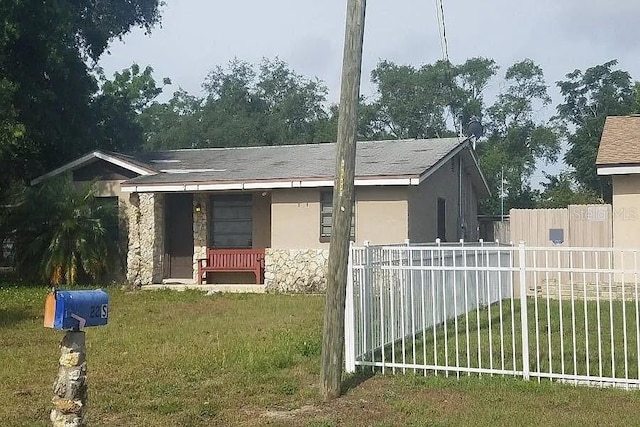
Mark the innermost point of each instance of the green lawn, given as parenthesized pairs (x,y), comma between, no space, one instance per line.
(186,359)
(609,343)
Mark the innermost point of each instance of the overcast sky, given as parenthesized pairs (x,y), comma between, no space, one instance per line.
(559,35)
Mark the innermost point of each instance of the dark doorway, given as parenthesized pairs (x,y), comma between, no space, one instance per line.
(179,236)
(441,219)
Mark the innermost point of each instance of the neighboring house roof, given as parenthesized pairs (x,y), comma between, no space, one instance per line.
(619,151)
(391,162)
(115,158)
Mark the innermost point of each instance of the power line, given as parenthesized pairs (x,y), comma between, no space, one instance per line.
(439,28)
(442,30)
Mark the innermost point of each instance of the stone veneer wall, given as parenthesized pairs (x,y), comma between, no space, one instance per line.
(296,270)
(199,231)
(604,291)
(145,254)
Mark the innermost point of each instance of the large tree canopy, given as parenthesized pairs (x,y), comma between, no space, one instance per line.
(589,97)
(516,140)
(245,105)
(46,87)
(425,102)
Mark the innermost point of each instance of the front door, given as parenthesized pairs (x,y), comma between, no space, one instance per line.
(179,236)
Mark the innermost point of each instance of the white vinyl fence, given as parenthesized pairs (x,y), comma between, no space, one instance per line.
(566,314)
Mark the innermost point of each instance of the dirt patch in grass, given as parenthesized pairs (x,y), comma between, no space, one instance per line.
(373,403)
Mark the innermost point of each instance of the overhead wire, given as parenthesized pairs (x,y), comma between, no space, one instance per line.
(442,30)
(444,46)
(439,28)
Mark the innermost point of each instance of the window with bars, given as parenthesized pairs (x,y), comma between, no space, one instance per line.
(326,213)
(231,221)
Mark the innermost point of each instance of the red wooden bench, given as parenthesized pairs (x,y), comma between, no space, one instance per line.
(232,261)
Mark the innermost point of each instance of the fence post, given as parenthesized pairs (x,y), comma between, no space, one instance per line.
(349,319)
(524,320)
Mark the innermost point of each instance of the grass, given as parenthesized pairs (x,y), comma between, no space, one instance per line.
(554,346)
(186,359)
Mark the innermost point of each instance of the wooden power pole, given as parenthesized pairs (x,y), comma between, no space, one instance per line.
(333,332)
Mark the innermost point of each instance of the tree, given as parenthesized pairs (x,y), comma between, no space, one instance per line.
(561,191)
(233,113)
(12,140)
(410,102)
(295,105)
(269,106)
(119,105)
(173,124)
(244,105)
(589,98)
(515,140)
(425,102)
(62,235)
(471,79)
(44,51)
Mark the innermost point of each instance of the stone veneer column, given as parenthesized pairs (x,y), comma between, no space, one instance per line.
(158,243)
(296,270)
(146,238)
(199,231)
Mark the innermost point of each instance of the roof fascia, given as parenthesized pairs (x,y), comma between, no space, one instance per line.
(618,170)
(263,185)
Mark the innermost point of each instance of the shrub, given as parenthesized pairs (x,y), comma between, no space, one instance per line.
(62,234)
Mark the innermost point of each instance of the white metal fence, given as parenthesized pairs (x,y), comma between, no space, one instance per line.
(567,314)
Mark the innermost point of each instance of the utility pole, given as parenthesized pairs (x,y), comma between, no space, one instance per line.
(333,326)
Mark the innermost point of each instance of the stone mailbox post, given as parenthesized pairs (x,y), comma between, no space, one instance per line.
(72,311)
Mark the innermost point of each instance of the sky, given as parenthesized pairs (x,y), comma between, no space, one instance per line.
(559,35)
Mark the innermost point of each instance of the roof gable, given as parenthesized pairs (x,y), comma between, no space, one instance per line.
(102,170)
(124,163)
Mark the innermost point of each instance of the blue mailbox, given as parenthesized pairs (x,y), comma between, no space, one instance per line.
(76,309)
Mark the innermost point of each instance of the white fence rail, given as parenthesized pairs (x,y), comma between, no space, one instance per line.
(569,314)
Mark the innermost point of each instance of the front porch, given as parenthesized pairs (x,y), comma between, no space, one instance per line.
(171,233)
(173,237)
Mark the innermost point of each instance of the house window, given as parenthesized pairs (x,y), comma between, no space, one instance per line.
(441,219)
(231,221)
(326,211)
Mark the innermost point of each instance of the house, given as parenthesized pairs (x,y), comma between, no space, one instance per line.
(179,203)
(619,157)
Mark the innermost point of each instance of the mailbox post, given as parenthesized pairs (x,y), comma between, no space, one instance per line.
(72,311)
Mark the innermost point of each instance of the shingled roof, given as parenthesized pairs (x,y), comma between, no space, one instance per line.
(390,162)
(620,142)
(375,159)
